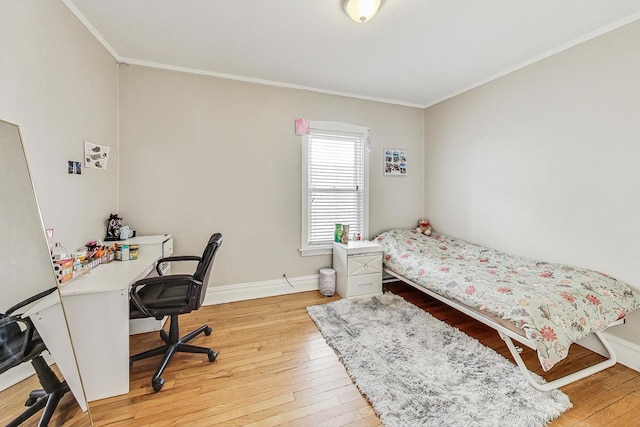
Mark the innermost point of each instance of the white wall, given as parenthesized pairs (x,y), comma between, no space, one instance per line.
(543,162)
(58,84)
(202,154)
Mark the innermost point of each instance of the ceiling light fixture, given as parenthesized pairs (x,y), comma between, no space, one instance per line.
(361,10)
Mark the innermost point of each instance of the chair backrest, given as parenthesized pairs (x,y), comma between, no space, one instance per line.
(203,270)
(19,341)
(13,341)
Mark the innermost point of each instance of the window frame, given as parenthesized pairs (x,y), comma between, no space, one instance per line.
(337,128)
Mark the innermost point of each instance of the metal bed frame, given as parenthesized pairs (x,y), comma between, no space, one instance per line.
(508,336)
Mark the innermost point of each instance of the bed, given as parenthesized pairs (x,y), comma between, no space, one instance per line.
(545,306)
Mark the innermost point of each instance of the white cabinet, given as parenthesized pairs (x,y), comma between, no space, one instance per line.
(358,266)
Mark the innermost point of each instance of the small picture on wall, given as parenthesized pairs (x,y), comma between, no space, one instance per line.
(395,162)
(74,167)
(95,156)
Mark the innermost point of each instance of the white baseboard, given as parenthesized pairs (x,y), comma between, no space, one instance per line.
(21,372)
(627,352)
(269,288)
(15,375)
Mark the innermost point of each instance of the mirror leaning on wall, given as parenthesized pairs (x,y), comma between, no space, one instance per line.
(34,336)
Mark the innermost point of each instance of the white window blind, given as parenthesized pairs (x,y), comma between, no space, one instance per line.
(335,183)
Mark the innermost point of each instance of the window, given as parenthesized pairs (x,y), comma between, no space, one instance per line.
(334,184)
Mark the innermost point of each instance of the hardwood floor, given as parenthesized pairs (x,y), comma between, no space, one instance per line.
(274,369)
(12,400)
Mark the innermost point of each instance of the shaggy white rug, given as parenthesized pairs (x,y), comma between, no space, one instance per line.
(418,371)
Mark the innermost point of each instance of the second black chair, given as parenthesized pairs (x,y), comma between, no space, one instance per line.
(173,295)
(19,343)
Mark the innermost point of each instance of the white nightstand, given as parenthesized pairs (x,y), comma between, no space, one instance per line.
(358,266)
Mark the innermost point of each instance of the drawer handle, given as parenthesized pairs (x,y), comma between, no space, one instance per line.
(363,285)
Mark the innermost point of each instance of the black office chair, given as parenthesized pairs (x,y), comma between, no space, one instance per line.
(19,343)
(173,295)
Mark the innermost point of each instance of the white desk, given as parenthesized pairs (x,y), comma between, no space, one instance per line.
(97,309)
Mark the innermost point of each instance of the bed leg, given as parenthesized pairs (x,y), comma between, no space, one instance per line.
(562,381)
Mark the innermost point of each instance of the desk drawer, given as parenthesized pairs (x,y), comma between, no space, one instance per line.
(364,264)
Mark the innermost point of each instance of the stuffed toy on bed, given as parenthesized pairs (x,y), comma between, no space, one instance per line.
(424,227)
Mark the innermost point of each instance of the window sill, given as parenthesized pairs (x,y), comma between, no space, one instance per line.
(318,250)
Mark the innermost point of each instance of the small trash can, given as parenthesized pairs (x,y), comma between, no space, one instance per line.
(327,281)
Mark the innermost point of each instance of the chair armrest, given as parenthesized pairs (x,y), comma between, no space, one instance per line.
(30,300)
(4,321)
(174,259)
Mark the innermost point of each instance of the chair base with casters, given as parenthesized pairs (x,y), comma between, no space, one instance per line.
(174,344)
(48,397)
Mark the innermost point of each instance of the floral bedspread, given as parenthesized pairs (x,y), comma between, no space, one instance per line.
(554,304)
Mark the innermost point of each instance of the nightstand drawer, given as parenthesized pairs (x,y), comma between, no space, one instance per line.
(365,284)
(364,264)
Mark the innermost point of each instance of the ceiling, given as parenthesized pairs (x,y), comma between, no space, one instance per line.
(413,52)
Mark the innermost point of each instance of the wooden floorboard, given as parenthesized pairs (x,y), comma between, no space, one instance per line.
(274,369)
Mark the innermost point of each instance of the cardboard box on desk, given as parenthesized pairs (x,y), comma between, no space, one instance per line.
(64,270)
